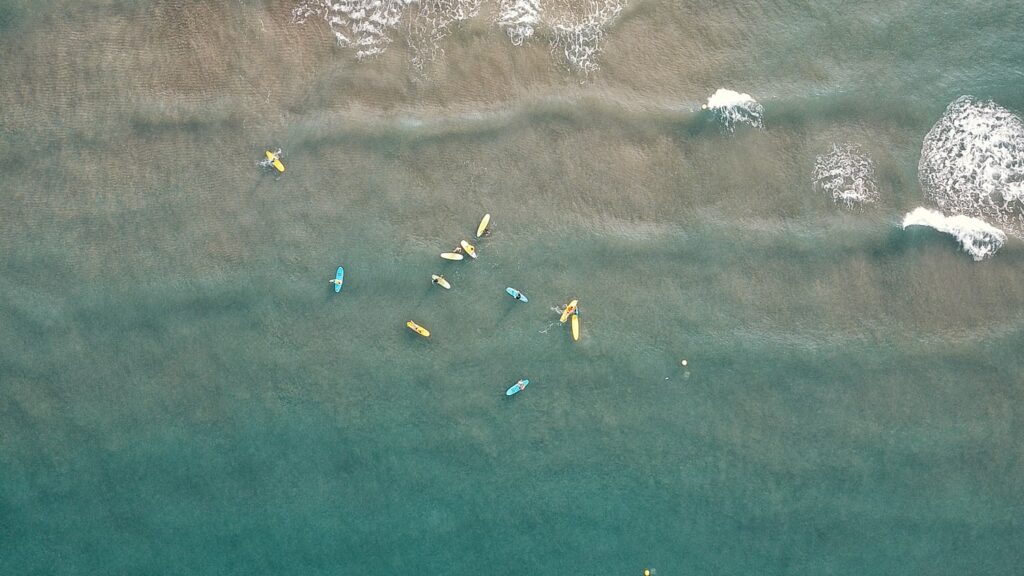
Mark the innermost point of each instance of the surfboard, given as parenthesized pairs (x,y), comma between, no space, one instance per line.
(569,309)
(451,256)
(576,326)
(275,161)
(418,329)
(483,225)
(516,294)
(515,388)
(340,276)
(440,281)
(468,248)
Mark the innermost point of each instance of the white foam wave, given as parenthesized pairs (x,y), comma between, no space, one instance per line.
(972,163)
(847,175)
(519,18)
(734,107)
(977,237)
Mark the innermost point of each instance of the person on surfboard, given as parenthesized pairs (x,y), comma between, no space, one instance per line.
(437,280)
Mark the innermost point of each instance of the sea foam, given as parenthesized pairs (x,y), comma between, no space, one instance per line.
(369,26)
(519,18)
(972,163)
(977,237)
(847,175)
(733,107)
(575,28)
(365,25)
(579,37)
(430,21)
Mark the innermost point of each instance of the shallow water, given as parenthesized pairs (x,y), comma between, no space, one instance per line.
(182,391)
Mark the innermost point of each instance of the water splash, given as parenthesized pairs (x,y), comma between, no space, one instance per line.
(972,163)
(267,162)
(977,237)
(847,175)
(733,108)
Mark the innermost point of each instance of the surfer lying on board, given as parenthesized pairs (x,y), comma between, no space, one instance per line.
(273,159)
(436,280)
(336,281)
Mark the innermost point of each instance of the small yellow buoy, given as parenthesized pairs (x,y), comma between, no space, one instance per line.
(647,572)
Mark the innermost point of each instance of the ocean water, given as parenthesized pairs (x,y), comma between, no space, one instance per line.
(181,390)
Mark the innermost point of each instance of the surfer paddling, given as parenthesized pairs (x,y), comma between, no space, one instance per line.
(274,159)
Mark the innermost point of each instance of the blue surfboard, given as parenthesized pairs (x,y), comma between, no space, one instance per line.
(516,294)
(339,276)
(515,388)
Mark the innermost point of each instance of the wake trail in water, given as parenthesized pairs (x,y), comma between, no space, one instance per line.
(972,163)
(978,238)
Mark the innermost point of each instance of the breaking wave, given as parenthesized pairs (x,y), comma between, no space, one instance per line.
(847,175)
(575,28)
(977,237)
(733,108)
(972,163)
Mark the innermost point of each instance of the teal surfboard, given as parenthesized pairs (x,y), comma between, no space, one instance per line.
(521,385)
(339,276)
(516,294)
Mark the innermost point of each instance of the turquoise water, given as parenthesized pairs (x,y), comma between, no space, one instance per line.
(181,391)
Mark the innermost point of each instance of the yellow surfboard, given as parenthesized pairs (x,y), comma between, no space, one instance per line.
(483,225)
(569,309)
(418,329)
(575,326)
(275,161)
(469,248)
(440,281)
(451,256)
